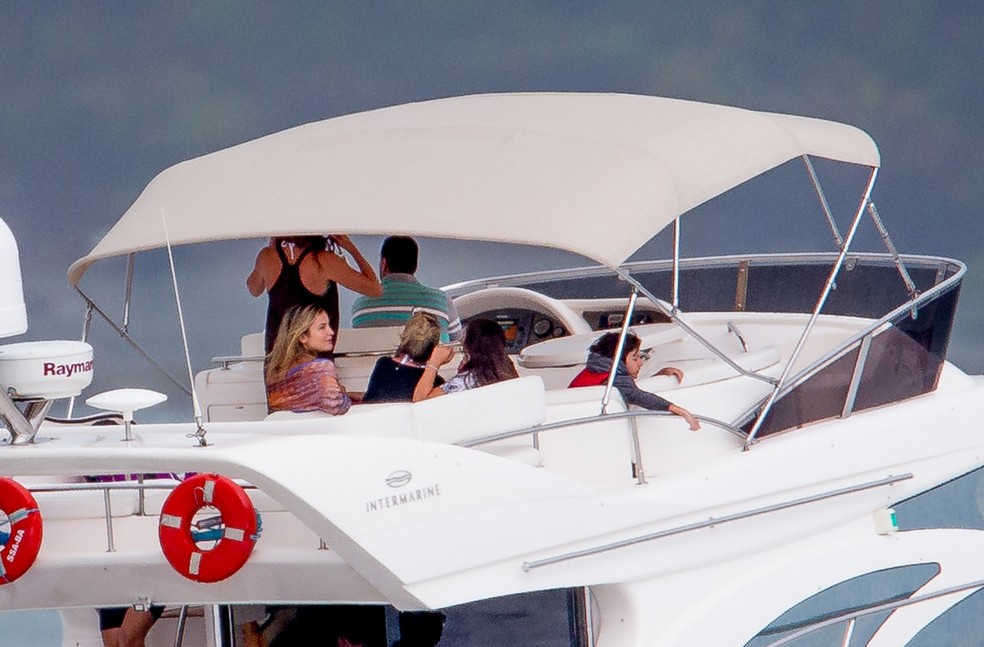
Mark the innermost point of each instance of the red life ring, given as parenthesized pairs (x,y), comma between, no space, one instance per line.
(20,516)
(235,543)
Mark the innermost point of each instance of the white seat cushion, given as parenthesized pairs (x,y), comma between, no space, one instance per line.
(476,413)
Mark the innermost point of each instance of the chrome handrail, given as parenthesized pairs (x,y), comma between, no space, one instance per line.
(698,262)
(226,360)
(632,416)
(713,521)
(109,485)
(575,422)
(107,488)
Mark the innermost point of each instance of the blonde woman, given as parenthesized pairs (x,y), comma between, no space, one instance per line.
(394,378)
(297,379)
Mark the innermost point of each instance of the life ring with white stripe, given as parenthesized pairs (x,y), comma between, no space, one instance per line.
(20,530)
(235,530)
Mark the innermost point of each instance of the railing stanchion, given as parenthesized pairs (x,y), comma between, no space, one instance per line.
(852,390)
(108,509)
(180,631)
(141,497)
(848,632)
(640,469)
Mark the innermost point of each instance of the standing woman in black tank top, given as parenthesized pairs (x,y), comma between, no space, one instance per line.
(299,270)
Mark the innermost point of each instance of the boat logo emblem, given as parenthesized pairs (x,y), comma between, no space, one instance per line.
(399,478)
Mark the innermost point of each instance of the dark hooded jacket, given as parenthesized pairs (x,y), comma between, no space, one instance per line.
(597,371)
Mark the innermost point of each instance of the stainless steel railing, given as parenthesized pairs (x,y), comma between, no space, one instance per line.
(637,462)
(140,486)
(713,521)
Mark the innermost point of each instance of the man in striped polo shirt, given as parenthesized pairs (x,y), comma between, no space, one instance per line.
(403,294)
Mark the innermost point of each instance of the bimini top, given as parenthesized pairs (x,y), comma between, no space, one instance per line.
(541,169)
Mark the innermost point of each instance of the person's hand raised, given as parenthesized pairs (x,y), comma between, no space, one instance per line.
(441,355)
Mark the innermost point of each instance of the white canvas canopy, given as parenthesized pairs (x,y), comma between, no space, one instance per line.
(540,169)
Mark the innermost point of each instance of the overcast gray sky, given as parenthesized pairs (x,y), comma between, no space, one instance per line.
(96,98)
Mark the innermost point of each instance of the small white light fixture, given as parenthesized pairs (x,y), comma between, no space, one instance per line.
(885,521)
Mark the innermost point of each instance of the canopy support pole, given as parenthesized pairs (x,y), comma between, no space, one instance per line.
(199,434)
(676,265)
(126,337)
(673,316)
(828,286)
(623,333)
(890,246)
(86,323)
(128,293)
(838,239)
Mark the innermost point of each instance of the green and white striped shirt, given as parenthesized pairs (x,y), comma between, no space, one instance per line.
(403,295)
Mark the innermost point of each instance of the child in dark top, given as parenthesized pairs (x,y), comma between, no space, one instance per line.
(393,378)
(599,367)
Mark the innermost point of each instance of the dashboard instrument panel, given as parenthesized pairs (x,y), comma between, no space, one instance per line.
(523,326)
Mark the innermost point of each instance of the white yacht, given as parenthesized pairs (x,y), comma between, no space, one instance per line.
(820,380)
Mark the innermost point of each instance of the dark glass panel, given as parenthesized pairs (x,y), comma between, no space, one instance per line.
(870,589)
(902,362)
(819,397)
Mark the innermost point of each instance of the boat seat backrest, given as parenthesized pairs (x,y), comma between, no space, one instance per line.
(251,345)
(453,418)
(708,369)
(387,420)
(476,413)
(383,339)
(233,394)
(604,448)
(449,419)
(581,396)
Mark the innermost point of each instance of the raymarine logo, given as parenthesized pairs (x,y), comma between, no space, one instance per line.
(67,370)
(399,478)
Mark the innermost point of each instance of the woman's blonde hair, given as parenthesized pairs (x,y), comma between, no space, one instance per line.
(419,337)
(287,346)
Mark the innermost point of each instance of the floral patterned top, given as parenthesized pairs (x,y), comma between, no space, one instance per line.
(460,382)
(309,386)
